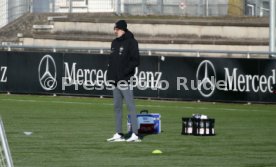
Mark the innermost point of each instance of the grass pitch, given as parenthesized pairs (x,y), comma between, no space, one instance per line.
(72,132)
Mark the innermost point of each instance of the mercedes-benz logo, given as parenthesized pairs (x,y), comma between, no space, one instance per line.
(206,78)
(47,73)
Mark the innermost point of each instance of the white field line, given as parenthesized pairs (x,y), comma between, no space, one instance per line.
(140,105)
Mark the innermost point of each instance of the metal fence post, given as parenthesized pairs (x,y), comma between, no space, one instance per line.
(161,7)
(258,7)
(53,6)
(272,27)
(70,6)
(144,12)
(118,7)
(207,7)
(199,4)
(30,6)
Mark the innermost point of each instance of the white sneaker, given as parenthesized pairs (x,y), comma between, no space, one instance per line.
(133,138)
(116,138)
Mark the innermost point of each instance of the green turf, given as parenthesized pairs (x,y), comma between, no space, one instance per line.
(72,132)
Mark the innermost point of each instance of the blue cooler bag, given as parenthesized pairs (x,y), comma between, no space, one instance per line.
(149,123)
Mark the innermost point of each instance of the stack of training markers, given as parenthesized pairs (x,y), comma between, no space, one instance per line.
(198,125)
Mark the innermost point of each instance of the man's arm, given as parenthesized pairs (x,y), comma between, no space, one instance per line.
(134,59)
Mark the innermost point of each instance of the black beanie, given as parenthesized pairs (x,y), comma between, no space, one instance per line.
(121,24)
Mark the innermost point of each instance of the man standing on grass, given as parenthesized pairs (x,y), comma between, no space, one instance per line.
(123,60)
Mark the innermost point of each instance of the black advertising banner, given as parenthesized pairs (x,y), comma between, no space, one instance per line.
(215,79)
(34,72)
(85,74)
(184,78)
(266,85)
(179,73)
(3,71)
(147,77)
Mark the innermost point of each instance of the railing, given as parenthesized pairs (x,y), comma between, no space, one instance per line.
(12,9)
(144,51)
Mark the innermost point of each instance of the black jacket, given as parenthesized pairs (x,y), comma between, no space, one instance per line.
(124,58)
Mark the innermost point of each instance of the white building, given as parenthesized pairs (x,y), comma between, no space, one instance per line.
(3,12)
(75,6)
(257,7)
(12,9)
